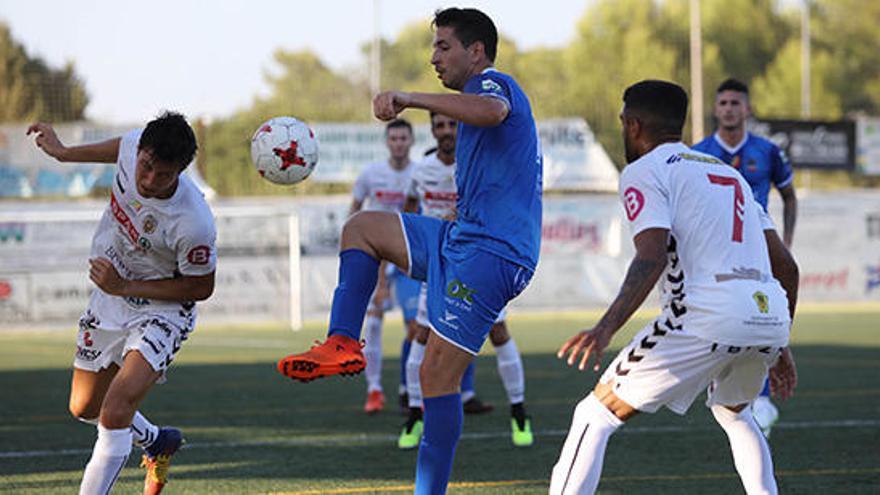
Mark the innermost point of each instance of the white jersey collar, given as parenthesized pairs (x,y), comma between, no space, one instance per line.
(731,149)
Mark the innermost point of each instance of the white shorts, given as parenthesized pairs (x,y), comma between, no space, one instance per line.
(422,313)
(157,336)
(662,367)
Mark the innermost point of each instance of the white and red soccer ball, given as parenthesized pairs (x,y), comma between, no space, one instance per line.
(284,150)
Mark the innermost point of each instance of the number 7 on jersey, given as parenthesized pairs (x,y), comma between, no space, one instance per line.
(739,203)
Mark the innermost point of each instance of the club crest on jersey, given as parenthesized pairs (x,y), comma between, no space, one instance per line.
(633,201)
(150,224)
(490,85)
(144,243)
(762,301)
(135,205)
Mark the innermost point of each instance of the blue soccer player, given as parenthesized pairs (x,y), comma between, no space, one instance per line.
(762,163)
(474,265)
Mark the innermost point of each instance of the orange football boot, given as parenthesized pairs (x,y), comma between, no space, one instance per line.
(375,402)
(338,355)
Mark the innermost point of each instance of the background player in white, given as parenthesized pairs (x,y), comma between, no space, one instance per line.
(725,317)
(381,186)
(432,188)
(152,257)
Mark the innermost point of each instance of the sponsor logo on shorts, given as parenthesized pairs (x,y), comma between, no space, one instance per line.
(633,201)
(762,301)
(458,290)
(87,354)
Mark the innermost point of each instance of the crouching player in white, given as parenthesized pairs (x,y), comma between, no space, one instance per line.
(152,257)
(728,288)
(432,188)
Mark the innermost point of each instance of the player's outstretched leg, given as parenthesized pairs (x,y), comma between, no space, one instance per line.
(580,463)
(366,238)
(751,454)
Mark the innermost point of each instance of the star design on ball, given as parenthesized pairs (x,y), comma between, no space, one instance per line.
(288,156)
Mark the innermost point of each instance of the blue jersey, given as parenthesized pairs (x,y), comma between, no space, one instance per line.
(757,159)
(498,177)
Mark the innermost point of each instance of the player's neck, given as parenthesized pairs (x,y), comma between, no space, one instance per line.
(446,158)
(398,163)
(732,136)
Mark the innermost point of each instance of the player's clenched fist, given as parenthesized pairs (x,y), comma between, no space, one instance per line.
(104,275)
(47,140)
(388,104)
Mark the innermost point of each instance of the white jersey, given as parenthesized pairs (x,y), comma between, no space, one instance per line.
(718,283)
(433,183)
(149,238)
(382,188)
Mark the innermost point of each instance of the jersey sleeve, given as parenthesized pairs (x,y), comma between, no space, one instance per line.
(494,86)
(781,171)
(196,251)
(766,221)
(361,188)
(645,201)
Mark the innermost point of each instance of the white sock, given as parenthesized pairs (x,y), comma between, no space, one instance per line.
(373,352)
(580,463)
(413,363)
(143,433)
(108,458)
(751,454)
(89,421)
(510,368)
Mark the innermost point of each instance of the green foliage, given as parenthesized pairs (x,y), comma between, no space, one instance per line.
(617,43)
(31,90)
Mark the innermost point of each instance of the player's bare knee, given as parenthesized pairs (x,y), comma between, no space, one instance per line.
(354,232)
(499,334)
(84,408)
(117,411)
(620,408)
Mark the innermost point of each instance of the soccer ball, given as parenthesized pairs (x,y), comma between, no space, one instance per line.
(284,150)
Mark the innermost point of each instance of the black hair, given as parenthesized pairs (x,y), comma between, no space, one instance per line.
(396,123)
(170,139)
(660,105)
(733,85)
(470,25)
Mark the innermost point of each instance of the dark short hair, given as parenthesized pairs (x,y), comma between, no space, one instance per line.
(733,85)
(661,105)
(397,123)
(170,138)
(470,25)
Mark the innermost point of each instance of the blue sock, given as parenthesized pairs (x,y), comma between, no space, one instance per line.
(358,273)
(467,380)
(765,392)
(443,422)
(404,355)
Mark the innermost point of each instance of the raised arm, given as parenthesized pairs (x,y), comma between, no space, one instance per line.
(476,110)
(101,152)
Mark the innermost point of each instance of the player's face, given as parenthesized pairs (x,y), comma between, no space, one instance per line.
(154,178)
(731,109)
(399,140)
(444,129)
(450,58)
(629,125)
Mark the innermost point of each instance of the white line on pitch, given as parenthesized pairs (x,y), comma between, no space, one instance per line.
(389,439)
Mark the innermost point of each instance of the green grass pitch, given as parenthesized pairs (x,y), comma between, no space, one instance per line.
(252,431)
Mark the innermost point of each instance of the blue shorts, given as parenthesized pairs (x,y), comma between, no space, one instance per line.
(406,291)
(467,287)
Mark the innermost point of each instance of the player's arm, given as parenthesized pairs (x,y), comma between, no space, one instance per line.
(184,288)
(789,213)
(476,110)
(355,207)
(643,273)
(783,374)
(101,152)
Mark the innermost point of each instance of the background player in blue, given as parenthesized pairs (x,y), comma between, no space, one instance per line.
(762,163)
(473,265)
